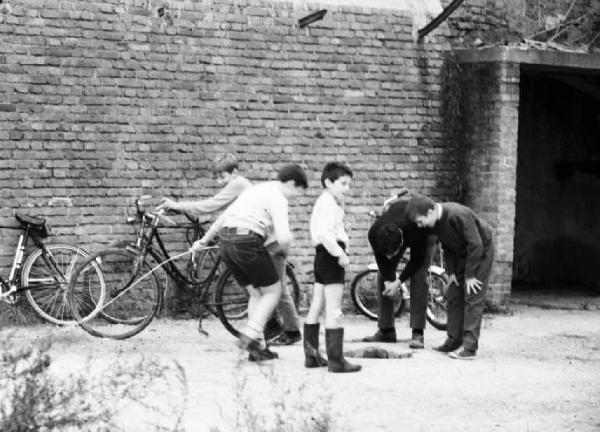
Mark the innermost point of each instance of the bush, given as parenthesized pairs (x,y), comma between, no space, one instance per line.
(265,402)
(33,399)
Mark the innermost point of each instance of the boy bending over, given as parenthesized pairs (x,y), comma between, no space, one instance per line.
(469,253)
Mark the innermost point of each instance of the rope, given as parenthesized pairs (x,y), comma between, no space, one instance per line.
(144,276)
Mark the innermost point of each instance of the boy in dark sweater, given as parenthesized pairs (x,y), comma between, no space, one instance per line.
(469,254)
(391,234)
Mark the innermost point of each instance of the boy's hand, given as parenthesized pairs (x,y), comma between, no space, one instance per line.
(166,204)
(344,261)
(392,289)
(199,245)
(473,285)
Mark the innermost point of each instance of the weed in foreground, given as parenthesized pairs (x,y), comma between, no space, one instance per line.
(267,402)
(33,399)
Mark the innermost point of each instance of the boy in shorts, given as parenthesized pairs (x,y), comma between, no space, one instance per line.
(331,241)
(226,170)
(260,212)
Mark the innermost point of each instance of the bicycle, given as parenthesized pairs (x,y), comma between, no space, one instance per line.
(363,291)
(134,293)
(44,275)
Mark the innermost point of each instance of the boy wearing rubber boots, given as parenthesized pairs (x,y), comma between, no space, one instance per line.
(469,254)
(331,241)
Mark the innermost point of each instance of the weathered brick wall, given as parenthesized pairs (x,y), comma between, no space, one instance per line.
(484,118)
(102,101)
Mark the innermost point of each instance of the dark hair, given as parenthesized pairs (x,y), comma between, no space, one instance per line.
(333,171)
(389,238)
(225,163)
(293,172)
(419,205)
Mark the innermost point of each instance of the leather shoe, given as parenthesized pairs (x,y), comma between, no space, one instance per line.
(286,338)
(387,335)
(265,354)
(447,347)
(417,341)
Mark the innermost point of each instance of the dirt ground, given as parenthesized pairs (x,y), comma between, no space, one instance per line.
(538,369)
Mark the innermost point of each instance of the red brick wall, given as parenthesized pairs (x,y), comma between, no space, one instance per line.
(102,101)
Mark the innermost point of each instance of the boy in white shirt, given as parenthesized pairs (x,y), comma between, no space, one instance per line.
(259,214)
(226,170)
(331,241)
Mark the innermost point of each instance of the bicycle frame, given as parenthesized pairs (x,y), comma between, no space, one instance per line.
(12,286)
(148,234)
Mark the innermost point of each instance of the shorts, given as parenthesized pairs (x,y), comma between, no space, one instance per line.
(246,257)
(326,267)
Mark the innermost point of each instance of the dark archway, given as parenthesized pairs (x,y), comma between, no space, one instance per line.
(557,218)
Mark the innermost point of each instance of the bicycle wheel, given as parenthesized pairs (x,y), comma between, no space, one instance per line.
(231,300)
(363,291)
(437,314)
(133,295)
(45,277)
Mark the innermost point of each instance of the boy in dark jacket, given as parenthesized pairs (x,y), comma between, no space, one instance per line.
(390,235)
(469,253)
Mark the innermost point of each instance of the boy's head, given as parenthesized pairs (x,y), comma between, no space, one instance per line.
(389,239)
(293,178)
(336,178)
(225,167)
(421,210)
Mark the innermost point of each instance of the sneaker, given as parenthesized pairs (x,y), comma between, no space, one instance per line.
(446,347)
(462,354)
(417,342)
(286,338)
(388,335)
(262,355)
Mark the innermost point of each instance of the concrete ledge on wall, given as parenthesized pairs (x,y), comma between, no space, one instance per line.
(532,57)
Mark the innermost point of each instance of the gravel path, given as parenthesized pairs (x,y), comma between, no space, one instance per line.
(537,370)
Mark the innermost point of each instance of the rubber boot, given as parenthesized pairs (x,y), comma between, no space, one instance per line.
(312,356)
(334,339)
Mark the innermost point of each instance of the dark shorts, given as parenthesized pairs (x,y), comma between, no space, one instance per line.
(247,258)
(326,267)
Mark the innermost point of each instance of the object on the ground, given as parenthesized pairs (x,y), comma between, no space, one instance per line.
(309,19)
(378,353)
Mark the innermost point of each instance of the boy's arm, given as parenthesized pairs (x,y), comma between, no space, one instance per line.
(474,245)
(278,209)
(210,233)
(326,234)
(420,241)
(221,200)
(387,267)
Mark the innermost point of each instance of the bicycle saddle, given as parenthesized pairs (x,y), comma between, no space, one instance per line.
(37,223)
(30,220)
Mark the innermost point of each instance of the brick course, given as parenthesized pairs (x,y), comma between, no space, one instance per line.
(101,102)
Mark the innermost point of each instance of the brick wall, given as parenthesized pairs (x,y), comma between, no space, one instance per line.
(102,101)
(492,110)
